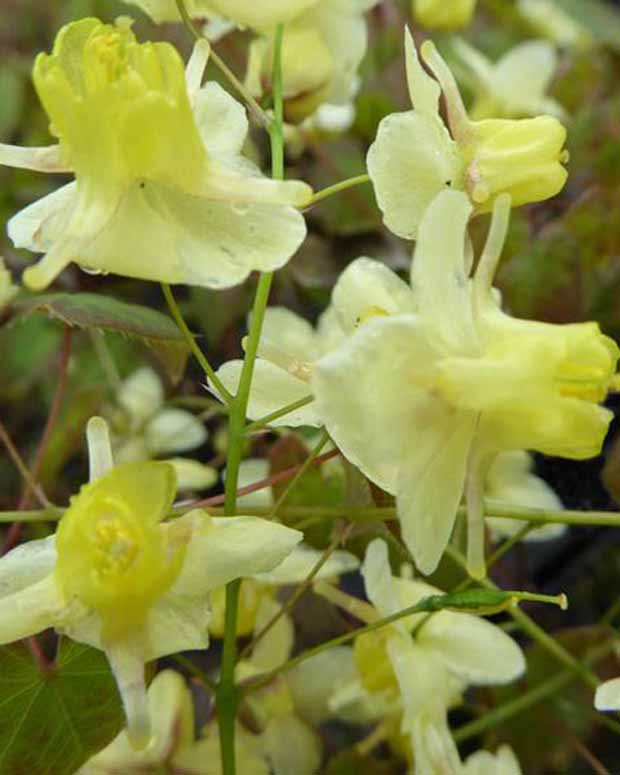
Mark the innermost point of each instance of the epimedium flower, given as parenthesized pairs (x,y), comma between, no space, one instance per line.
(443,15)
(416,155)
(514,86)
(321,51)
(290,346)
(118,577)
(511,481)
(162,191)
(421,403)
(427,661)
(143,428)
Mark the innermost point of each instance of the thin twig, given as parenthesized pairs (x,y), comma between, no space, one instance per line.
(22,467)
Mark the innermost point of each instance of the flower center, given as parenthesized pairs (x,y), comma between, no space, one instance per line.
(115,547)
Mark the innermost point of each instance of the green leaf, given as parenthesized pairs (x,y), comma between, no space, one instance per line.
(95,311)
(50,725)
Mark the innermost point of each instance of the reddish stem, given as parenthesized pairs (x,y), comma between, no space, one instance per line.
(281,476)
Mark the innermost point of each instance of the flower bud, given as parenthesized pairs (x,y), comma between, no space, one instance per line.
(524,158)
(443,14)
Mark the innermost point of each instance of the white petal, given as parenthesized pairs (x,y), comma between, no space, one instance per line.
(195,69)
(365,394)
(100,460)
(227,548)
(272,388)
(179,238)
(366,288)
(39,225)
(31,609)
(27,564)
(276,646)
(435,749)
(287,335)
(316,680)
(177,622)
(174,430)
(412,159)
(193,475)
(292,747)
(127,662)
(484,763)
(378,581)
(474,649)
(424,91)
(522,76)
(431,483)
(251,472)
(141,395)
(45,159)
(608,695)
(221,120)
(300,562)
(439,274)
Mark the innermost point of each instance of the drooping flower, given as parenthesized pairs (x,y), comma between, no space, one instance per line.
(290,346)
(415,155)
(162,191)
(119,578)
(321,51)
(514,86)
(143,429)
(427,661)
(422,403)
(511,481)
(8,290)
(439,14)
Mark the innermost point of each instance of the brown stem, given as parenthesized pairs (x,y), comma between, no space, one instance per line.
(52,418)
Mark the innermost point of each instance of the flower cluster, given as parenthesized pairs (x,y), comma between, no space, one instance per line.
(432,393)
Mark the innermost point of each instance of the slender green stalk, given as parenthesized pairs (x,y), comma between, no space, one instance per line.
(196,672)
(227,692)
(358,180)
(306,465)
(260,115)
(269,418)
(527,700)
(505,547)
(191,341)
(51,514)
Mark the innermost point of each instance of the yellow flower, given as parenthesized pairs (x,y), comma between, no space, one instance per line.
(427,662)
(444,14)
(423,402)
(515,85)
(415,155)
(161,191)
(120,578)
(321,51)
(244,13)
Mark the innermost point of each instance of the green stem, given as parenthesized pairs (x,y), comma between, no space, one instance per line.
(305,467)
(269,418)
(191,341)
(261,117)
(527,700)
(227,692)
(358,180)
(196,672)
(51,514)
